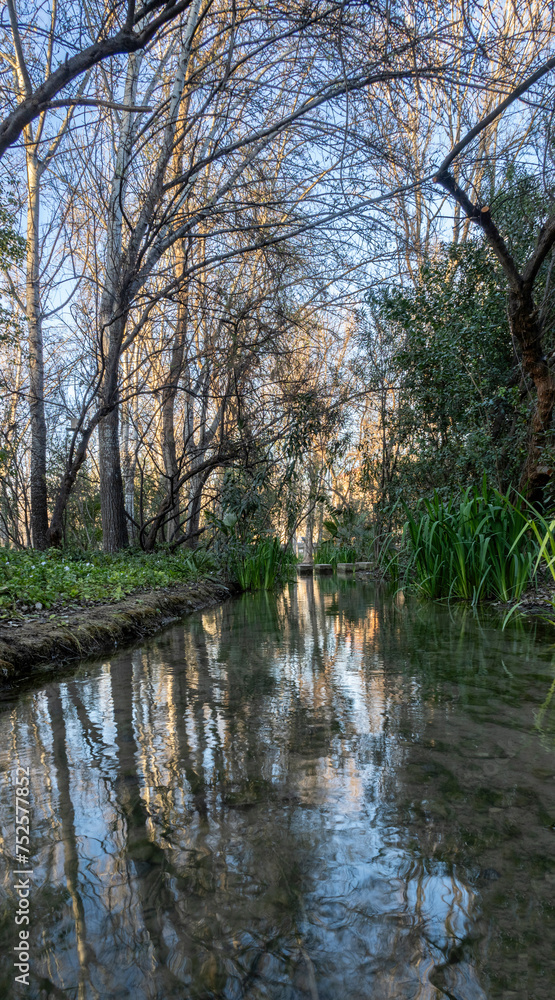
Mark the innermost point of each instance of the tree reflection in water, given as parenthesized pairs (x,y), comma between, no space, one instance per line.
(327,793)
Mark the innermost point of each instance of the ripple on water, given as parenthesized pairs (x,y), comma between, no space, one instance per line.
(325,793)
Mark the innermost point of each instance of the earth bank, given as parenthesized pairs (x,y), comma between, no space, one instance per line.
(39,643)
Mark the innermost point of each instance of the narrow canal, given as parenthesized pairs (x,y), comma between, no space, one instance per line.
(326,793)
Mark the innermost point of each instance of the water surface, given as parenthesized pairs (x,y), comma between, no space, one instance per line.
(328,793)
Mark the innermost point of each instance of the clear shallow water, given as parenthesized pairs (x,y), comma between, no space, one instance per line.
(320,794)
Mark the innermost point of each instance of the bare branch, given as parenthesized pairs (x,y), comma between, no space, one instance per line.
(482,216)
(22,71)
(124,41)
(483,124)
(92,102)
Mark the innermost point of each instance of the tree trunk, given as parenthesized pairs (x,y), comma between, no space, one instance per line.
(526,329)
(113,316)
(171,470)
(194,509)
(112,505)
(114,522)
(130,439)
(39,505)
(169,450)
(309,537)
(74,463)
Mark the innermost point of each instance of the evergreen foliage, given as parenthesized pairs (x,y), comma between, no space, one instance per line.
(459,414)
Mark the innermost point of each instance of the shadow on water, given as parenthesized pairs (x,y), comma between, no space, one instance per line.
(329,793)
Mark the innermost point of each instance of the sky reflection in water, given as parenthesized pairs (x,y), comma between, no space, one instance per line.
(325,794)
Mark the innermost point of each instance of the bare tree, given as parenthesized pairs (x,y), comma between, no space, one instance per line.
(38,160)
(209,112)
(284,134)
(121,28)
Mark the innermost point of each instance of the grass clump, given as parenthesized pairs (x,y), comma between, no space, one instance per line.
(262,565)
(544,532)
(477,547)
(28,577)
(329,552)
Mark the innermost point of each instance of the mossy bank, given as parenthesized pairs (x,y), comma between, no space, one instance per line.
(35,645)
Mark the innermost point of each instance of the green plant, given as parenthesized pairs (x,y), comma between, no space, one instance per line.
(29,577)
(445,344)
(329,552)
(354,539)
(350,537)
(473,548)
(544,532)
(261,566)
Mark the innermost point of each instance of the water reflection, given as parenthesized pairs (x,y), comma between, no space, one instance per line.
(325,794)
